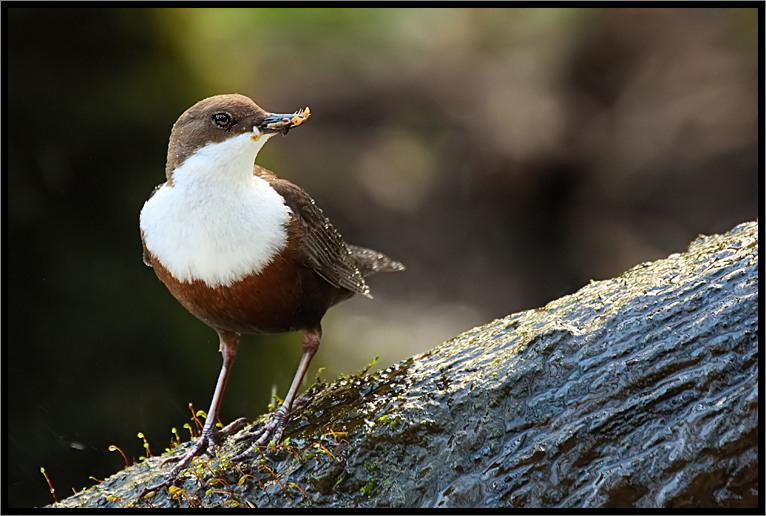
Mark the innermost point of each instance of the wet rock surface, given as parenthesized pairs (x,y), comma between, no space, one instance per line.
(638,391)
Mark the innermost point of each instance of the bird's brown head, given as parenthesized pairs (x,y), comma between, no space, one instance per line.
(220,118)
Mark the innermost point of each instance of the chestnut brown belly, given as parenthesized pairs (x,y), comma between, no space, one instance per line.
(285,296)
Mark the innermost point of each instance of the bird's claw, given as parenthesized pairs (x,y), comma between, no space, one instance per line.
(209,440)
(233,427)
(271,431)
(206,444)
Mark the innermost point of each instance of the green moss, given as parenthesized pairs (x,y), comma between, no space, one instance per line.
(394,422)
(370,486)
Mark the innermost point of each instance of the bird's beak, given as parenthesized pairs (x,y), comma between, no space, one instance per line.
(277,123)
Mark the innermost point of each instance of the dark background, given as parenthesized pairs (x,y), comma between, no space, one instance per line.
(507,156)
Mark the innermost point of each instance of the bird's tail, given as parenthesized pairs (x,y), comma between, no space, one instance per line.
(369,261)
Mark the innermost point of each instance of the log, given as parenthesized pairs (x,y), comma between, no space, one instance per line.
(637,391)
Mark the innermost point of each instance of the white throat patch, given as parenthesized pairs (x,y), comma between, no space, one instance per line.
(217,222)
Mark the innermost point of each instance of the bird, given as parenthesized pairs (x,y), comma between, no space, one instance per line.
(244,251)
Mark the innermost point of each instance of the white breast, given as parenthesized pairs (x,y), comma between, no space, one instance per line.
(217,222)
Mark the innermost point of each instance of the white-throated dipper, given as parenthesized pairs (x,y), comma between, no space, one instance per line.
(243,250)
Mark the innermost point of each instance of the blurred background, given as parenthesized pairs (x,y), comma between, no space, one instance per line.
(506,156)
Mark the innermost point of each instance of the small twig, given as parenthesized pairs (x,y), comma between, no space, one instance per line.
(115,448)
(50,486)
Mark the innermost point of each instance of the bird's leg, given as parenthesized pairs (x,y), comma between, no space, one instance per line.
(274,428)
(229,343)
(210,436)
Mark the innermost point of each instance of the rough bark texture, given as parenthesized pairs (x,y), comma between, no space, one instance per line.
(638,391)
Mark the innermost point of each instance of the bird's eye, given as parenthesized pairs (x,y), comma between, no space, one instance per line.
(223,120)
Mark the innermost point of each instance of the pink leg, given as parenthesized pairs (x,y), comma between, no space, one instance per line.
(228,345)
(274,428)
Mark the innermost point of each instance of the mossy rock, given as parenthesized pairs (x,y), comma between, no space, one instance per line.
(638,391)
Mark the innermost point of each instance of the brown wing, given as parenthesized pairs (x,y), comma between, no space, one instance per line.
(327,252)
(370,262)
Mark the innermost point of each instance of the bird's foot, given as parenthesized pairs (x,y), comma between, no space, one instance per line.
(206,443)
(233,427)
(271,431)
